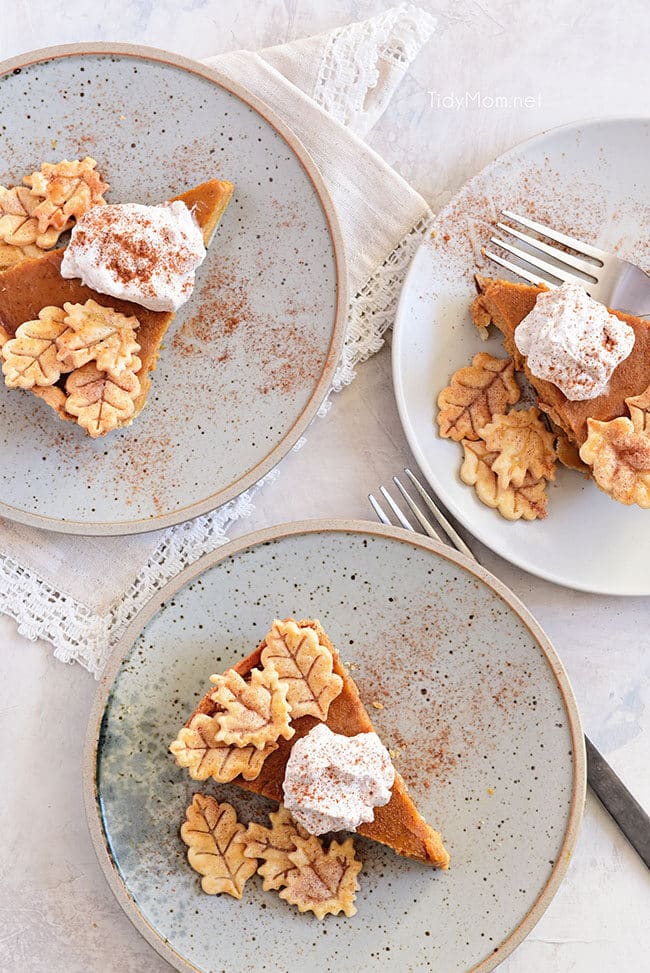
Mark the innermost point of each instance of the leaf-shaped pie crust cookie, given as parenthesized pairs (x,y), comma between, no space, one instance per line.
(514,503)
(30,358)
(215,844)
(11,255)
(255,712)
(100,400)
(55,398)
(305,665)
(273,845)
(197,748)
(620,459)
(65,191)
(324,882)
(20,236)
(101,334)
(524,445)
(33,216)
(639,409)
(475,395)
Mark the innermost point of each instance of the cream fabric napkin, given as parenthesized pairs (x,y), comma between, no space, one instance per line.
(79,593)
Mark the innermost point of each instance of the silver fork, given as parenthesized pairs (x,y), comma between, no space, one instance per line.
(614,282)
(606,785)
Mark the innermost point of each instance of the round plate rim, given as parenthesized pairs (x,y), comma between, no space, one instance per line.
(269,534)
(322,386)
(399,385)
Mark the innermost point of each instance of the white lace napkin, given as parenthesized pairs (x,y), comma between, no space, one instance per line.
(79,593)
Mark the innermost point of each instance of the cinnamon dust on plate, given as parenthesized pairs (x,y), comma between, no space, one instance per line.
(285,351)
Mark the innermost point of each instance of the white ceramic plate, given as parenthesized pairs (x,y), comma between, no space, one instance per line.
(475,700)
(593,181)
(250,357)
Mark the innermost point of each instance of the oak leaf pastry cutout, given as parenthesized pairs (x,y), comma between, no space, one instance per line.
(619,456)
(30,358)
(254,713)
(215,844)
(102,401)
(527,502)
(524,445)
(20,237)
(273,846)
(324,882)
(197,748)
(475,394)
(101,334)
(65,191)
(639,409)
(305,664)
(55,398)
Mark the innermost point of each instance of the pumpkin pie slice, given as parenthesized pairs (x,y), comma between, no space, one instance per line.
(37,283)
(398,824)
(505,305)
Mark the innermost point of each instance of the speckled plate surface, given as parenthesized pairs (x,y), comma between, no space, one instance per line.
(475,701)
(592,181)
(249,358)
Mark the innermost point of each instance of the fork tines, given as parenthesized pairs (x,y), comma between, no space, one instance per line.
(551,273)
(448,529)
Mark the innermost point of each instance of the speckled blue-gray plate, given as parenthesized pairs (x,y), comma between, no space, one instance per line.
(249,358)
(475,702)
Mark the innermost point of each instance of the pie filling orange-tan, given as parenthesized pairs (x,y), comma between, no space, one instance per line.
(86,354)
(243,731)
(506,304)
(509,455)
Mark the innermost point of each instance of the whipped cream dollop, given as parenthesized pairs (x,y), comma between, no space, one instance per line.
(573,341)
(144,254)
(334,782)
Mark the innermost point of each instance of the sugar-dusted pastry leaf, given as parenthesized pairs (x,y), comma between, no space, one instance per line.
(65,191)
(20,236)
(324,882)
(197,748)
(55,398)
(305,664)
(273,845)
(100,400)
(10,254)
(254,712)
(524,446)
(98,333)
(619,456)
(639,409)
(475,395)
(214,839)
(527,502)
(30,357)
(33,216)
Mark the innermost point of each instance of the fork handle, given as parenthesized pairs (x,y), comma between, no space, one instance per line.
(618,801)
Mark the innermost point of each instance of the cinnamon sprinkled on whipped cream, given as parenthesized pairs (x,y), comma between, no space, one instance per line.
(334,783)
(573,341)
(144,254)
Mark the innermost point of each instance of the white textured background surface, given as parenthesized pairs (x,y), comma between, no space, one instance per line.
(576,59)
